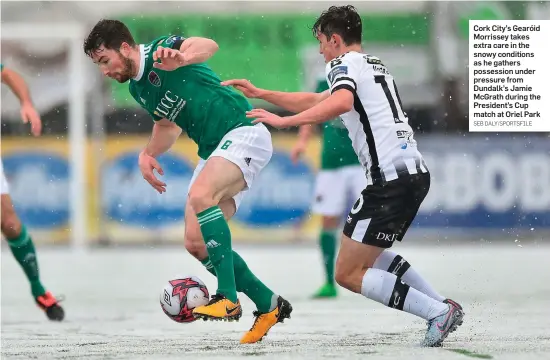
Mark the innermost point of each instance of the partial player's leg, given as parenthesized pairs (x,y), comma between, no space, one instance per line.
(23,250)
(271,308)
(330,203)
(394,263)
(380,217)
(220,179)
(245,281)
(397,265)
(249,149)
(240,157)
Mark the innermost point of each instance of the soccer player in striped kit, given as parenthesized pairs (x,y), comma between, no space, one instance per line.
(364,95)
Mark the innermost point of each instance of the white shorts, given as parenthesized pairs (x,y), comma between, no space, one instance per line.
(336,189)
(4,188)
(248,147)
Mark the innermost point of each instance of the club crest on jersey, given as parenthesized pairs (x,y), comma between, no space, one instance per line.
(154,78)
(338,70)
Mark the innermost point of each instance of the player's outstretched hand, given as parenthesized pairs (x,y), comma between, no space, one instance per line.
(170,59)
(244,86)
(147,164)
(264,116)
(30,115)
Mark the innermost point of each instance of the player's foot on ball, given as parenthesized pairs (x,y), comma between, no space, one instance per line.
(326,291)
(50,305)
(441,326)
(219,308)
(265,321)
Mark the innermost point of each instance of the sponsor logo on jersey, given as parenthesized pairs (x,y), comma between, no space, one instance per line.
(373,60)
(39,183)
(338,70)
(169,106)
(129,200)
(154,78)
(281,194)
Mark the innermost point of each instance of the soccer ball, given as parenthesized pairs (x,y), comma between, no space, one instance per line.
(180,296)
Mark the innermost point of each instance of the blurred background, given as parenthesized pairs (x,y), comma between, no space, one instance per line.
(79,184)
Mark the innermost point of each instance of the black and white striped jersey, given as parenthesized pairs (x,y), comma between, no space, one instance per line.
(379,130)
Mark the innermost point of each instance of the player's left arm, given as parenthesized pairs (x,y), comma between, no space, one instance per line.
(342,77)
(177,51)
(340,102)
(198,49)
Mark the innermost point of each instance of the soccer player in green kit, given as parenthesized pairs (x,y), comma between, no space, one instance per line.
(169,79)
(19,240)
(340,179)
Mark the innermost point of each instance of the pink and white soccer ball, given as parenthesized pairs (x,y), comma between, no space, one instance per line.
(180,296)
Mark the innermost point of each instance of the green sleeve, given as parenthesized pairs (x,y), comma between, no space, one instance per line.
(321,86)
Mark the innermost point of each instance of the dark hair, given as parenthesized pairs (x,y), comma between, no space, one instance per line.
(340,20)
(109,33)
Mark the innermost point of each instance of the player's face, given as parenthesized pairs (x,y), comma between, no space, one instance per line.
(114,64)
(327,47)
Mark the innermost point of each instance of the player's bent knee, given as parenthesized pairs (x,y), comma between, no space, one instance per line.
(350,279)
(11,226)
(342,277)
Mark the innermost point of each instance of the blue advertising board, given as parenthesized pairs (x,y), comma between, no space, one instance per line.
(487,182)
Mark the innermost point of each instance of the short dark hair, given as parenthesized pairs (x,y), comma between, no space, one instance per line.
(340,20)
(109,33)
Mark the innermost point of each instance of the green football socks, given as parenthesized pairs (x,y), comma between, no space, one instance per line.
(217,238)
(247,283)
(327,241)
(23,250)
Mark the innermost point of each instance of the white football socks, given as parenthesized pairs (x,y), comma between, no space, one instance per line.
(395,264)
(387,289)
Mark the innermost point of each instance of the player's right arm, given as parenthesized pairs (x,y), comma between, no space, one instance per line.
(291,101)
(19,87)
(165,133)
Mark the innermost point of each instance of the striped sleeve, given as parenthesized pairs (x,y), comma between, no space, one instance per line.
(342,74)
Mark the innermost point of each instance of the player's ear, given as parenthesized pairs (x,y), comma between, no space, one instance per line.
(125,49)
(336,40)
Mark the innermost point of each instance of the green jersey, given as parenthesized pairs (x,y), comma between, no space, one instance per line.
(337,151)
(191,96)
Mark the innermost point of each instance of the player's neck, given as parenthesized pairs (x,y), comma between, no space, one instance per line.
(135,57)
(347,49)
